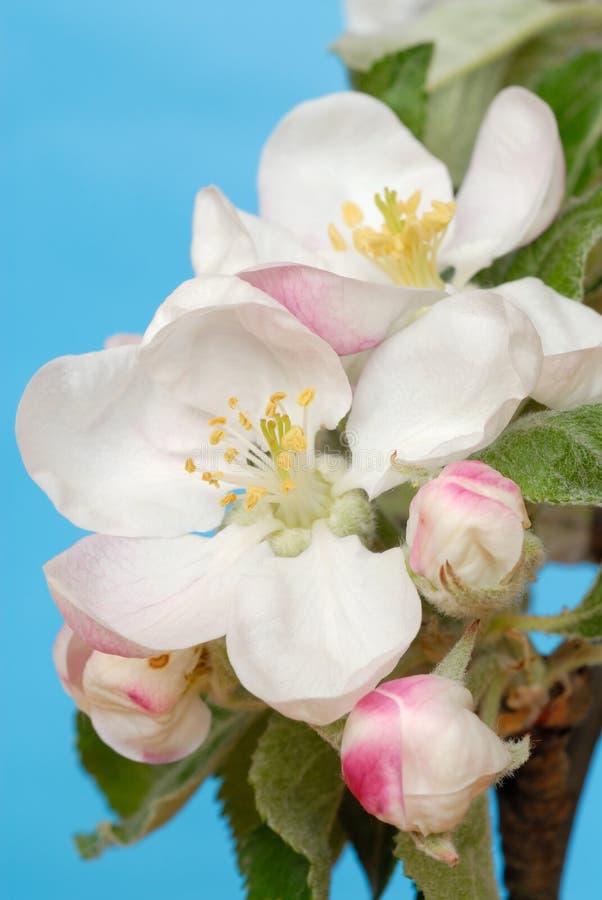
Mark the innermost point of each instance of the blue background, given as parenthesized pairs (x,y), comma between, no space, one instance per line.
(117,112)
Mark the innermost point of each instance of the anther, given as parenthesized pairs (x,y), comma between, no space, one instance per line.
(336,238)
(306,396)
(159,662)
(253,495)
(352,214)
(216,436)
(294,439)
(228,499)
(189,465)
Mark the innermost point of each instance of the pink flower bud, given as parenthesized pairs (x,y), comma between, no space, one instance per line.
(415,755)
(471,518)
(145,709)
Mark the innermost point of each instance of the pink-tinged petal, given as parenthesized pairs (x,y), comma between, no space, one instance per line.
(371,758)
(351,315)
(92,633)
(311,644)
(337,148)
(150,739)
(108,446)
(446,385)
(206,356)
(163,594)
(571,337)
(122,339)
(70,655)
(514,184)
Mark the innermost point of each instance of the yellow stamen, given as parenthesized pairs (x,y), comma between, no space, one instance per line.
(212,478)
(228,499)
(189,465)
(336,238)
(218,420)
(352,214)
(270,410)
(287,486)
(405,247)
(306,396)
(283,460)
(253,495)
(277,397)
(216,436)
(294,439)
(233,402)
(159,662)
(230,454)
(245,421)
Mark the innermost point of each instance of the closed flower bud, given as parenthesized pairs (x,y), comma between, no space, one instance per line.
(148,710)
(467,540)
(415,755)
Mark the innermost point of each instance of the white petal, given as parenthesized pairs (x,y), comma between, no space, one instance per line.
(443,387)
(151,739)
(205,292)
(248,350)
(312,634)
(571,337)
(514,184)
(220,242)
(162,594)
(351,315)
(108,446)
(341,147)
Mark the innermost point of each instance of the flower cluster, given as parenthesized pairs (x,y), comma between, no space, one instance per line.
(322,355)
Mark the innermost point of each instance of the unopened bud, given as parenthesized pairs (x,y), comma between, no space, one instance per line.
(415,755)
(467,540)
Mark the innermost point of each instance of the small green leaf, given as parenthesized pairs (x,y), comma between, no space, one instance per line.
(554,457)
(399,81)
(573,92)
(298,789)
(559,255)
(145,796)
(585,620)
(473,878)
(372,841)
(271,869)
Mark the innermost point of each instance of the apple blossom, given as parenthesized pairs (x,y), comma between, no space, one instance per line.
(467,542)
(345,188)
(156,440)
(146,709)
(375,16)
(415,755)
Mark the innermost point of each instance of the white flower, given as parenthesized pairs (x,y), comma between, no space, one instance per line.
(145,443)
(376,16)
(146,709)
(415,754)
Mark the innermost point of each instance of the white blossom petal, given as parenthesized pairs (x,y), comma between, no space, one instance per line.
(442,388)
(374,16)
(108,446)
(310,635)
(571,337)
(351,315)
(338,148)
(162,594)
(514,184)
(248,350)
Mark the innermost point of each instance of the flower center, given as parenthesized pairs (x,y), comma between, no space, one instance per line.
(405,248)
(269,462)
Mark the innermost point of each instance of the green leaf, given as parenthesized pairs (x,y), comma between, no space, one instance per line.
(573,92)
(145,796)
(554,457)
(372,841)
(585,620)
(298,789)
(399,81)
(473,878)
(559,256)
(271,869)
